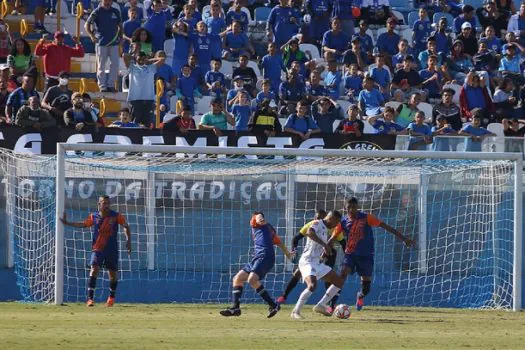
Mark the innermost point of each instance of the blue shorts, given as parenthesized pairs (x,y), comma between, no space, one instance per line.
(106,258)
(363,265)
(260,266)
(40,3)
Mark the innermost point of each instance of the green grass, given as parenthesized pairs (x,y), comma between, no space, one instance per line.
(173,326)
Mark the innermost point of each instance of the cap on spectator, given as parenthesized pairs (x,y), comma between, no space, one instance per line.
(355,38)
(375,51)
(456,42)
(4,66)
(391,20)
(272,104)
(237,77)
(217,101)
(443,18)
(466,25)
(63,74)
(59,34)
(363,22)
(468,8)
(352,106)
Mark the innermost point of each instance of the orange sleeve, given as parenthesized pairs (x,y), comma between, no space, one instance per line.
(276,239)
(337,230)
(373,221)
(89,221)
(121,220)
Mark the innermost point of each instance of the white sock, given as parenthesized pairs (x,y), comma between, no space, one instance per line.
(330,293)
(302,300)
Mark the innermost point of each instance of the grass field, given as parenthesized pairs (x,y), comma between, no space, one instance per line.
(173,326)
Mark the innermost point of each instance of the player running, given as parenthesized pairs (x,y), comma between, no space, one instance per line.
(264,238)
(105,225)
(359,252)
(310,266)
(328,260)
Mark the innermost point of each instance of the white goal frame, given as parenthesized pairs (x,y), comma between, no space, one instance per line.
(62,148)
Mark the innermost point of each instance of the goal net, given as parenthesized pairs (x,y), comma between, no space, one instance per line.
(189,216)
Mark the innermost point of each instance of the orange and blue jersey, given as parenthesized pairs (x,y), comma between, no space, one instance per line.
(360,238)
(105,230)
(264,238)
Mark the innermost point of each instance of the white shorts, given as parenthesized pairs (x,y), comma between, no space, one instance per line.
(313,268)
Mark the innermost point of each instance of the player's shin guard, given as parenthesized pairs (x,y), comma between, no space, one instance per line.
(333,302)
(302,300)
(330,293)
(365,288)
(92,283)
(290,286)
(236,297)
(112,288)
(265,295)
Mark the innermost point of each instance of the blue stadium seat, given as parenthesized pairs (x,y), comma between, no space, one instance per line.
(474,3)
(262,13)
(448,16)
(412,18)
(401,6)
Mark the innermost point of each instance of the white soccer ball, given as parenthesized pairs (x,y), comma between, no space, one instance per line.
(342,311)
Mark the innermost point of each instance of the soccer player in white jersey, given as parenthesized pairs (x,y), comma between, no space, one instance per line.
(310,264)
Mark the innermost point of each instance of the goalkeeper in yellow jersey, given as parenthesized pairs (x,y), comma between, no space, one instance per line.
(329,260)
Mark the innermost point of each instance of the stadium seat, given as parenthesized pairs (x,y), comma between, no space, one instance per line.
(169,46)
(400,5)
(262,14)
(427,109)
(203,105)
(399,16)
(109,106)
(173,103)
(457,89)
(474,3)
(412,18)
(407,34)
(227,69)
(380,31)
(251,22)
(496,128)
(88,85)
(74,84)
(393,104)
(372,35)
(310,49)
(344,105)
(255,67)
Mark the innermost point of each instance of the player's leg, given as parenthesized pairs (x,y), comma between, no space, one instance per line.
(310,279)
(330,261)
(336,283)
(111,263)
(292,283)
(237,286)
(365,267)
(260,269)
(97,258)
(348,268)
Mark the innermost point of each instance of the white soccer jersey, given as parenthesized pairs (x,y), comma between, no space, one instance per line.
(313,250)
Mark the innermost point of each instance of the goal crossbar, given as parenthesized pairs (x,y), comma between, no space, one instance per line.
(516,158)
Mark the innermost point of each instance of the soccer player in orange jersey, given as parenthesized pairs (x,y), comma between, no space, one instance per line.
(105,223)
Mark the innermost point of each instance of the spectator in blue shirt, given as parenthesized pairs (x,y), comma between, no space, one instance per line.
(367,45)
(335,42)
(510,65)
(238,85)
(156,25)
(387,126)
(443,38)
(266,93)
(272,67)
(208,12)
(381,75)
(283,23)
(128,28)
(432,78)
(332,80)
(20,97)
(403,51)
(301,124)
(493,42)
(202,45)
(291,92)
(353,82)
(325,112)
(215,80)
(420,133)
(431,50)
(215,22)
(124,120)
(351,125)
(242,111)
(314,88)
(421,31)
(236,43)
(445,131)
(370,99)
(467,16)
(236,14)
(187,88)
(320,11)
(475,134)
(165,72)
(387,42)
(194,10)
(187,16)
(104,27)
(181,46)
(343,11)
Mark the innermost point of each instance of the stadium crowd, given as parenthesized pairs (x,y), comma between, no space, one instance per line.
(327,66)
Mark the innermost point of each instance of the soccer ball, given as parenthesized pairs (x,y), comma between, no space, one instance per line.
(342,311)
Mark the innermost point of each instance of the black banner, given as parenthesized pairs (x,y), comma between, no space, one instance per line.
(22,140)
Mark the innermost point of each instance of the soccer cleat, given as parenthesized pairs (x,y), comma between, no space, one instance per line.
(281,300)
(320,309)
(90,303)
(273,310)
(330,310)
(296,315)
(110,301)
(359,303)
(230,312)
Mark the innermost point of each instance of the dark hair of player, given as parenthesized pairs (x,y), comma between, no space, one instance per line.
(320,214)
(352,200)
(258,212)
(336,214)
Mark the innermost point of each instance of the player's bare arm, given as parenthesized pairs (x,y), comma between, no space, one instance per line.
(407,240)
(287,253)
(79,224)
(313,236)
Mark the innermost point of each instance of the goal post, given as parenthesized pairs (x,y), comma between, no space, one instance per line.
(455,259)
